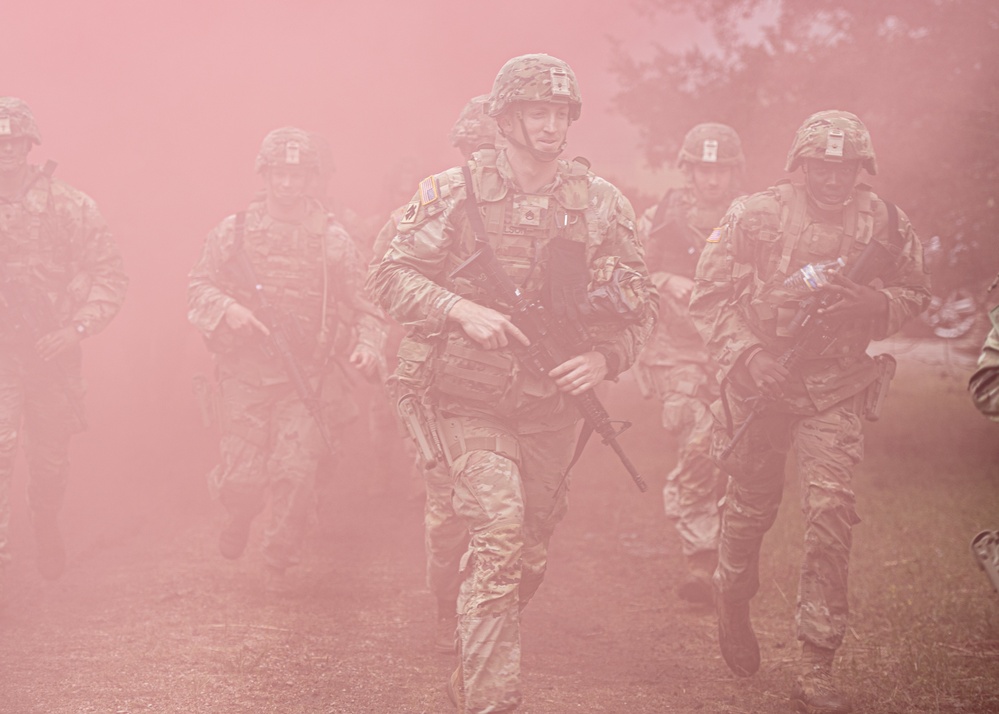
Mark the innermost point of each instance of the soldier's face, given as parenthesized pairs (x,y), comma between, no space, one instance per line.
(831,181)
(13,153)
(287,185)
(543,125)
(712,182)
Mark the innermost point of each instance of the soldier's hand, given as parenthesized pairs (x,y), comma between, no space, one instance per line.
(855,300)
(487,327)
(53,343)
(366,361)
(769,375)
(241,319)
(577,374)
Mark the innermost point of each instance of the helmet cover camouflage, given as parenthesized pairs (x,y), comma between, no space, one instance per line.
(16,120)
(535,78)
(289,146)
(716,144)
(832,135)
(474,127)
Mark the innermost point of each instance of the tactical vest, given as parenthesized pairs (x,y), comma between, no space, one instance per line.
(520,226)
(798,243)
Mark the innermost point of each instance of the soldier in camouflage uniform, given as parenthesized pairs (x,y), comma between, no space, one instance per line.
(984,383)
(307,277)
(812,405)
(61,281)
(507,431)
(674,366)
(445,536)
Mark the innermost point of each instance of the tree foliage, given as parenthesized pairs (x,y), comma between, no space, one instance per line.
(923,75)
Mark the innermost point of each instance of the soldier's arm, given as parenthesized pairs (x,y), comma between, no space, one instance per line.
(908,288)
(984,383)
(206,301)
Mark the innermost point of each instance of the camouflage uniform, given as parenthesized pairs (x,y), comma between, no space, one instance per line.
(60,268)
(507,432)
(984,383)
(311,273)
(674,366)
(740,306)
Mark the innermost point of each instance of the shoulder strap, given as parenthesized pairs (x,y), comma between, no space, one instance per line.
(472,207)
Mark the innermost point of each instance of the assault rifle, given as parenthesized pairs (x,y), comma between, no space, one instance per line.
(811,331)
(549,346)
(282,340)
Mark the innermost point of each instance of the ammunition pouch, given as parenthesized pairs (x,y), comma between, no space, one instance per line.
(207,399)
(877,391)
(467,372)
(421,429)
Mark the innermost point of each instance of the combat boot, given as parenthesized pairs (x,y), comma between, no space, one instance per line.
(50,551)
(456,689)
(738,642)
(814,691)
(697,588)
(445,628)
(235,534)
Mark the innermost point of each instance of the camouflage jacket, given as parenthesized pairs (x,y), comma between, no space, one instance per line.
(984,383)
(740,303)
(311,274)
(674,232)
(58,254)
(434,236)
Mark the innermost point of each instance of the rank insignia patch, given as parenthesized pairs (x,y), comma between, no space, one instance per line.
(428,190)
(716,234)
(410,212)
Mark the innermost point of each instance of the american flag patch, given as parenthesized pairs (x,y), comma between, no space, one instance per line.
(428,190)
(715,235)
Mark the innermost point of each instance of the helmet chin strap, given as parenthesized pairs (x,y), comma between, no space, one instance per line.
(538,154)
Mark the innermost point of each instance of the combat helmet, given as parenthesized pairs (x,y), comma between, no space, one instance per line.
(535,78)
(832,135)
(710,143)
(17,120)
(289,146)
(474,126)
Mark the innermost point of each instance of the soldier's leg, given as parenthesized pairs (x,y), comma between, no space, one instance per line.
(489,498)
(11,411)
(296,448)
(544,457)
(445,540)
(827,449)
(238,481)
(52,412)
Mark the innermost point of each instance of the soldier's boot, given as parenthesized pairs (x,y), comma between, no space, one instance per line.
(696,587)
(738,642)
(814,690)
(235,534)
(446,627)
(456,689)
(50,551)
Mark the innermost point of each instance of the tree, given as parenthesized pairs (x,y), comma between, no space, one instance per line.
(923,75)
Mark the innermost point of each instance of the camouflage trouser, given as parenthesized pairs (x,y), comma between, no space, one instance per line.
(269,442)
(693,488)
(506,491)
(47,400)
(445,535)
(826,449)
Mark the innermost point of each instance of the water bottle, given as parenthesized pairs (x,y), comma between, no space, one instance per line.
(814,276)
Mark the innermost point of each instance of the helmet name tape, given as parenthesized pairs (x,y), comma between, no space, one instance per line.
(5,126)
(834,144)
(709,151)
(560,83)
(292,153)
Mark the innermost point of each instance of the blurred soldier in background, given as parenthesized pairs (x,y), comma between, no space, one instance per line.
(445,537)
(674,366)
(271,293)
(984,383)
(505,429)
(795,375)
(61,281)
